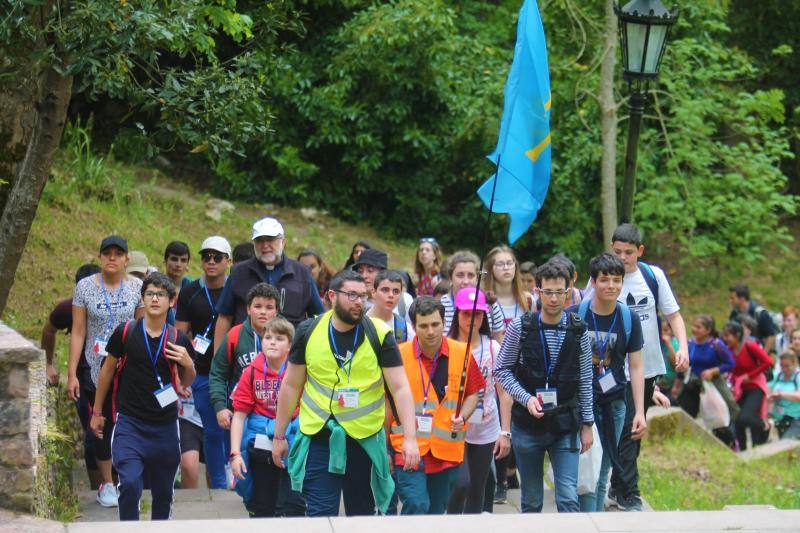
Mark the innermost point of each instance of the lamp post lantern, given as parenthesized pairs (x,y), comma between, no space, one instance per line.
(644,27)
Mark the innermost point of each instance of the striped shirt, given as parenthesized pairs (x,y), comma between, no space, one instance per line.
(510,352)
(495,316)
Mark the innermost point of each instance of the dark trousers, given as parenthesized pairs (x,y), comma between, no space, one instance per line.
(749,417)
(323,490)
(470,487)
(272,491)
(136,445)
(625,479)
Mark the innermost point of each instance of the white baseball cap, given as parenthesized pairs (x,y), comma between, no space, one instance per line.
(267,227)
(218,244)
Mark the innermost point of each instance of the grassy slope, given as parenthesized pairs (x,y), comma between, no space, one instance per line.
(683,473)
(68,229)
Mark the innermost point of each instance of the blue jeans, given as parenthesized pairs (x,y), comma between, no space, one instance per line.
(595,501)
(216,441)
(564,451)
(423,493)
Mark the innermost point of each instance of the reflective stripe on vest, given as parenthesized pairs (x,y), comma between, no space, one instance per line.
(440,441)
(325,377)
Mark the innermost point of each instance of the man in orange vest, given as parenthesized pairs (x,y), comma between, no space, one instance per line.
(434,366)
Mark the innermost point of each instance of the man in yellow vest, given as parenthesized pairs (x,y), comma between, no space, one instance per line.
(434,366)
(340,362)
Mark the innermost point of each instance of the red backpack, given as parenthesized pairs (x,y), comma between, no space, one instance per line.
(172,333)
(233,340)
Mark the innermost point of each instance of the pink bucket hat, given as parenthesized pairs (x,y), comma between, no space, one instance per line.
(465,299)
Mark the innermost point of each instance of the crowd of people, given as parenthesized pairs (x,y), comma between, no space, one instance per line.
(428,392)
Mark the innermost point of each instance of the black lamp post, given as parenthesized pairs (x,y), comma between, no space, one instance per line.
(643,30)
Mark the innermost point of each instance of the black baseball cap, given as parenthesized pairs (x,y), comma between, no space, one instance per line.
(372,257)
(114,240)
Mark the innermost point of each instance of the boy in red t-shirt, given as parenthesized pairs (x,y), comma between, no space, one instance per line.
(264,487)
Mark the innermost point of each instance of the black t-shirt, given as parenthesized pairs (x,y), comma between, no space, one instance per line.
(598,327)
(389,355)
(193,308)
(137,379)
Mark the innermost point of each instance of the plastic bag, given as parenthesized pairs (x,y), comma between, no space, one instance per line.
(713,411)
(589,465)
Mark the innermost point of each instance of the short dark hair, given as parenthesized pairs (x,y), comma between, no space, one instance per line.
(747,322)
(567,263)
(734,328)
(528,267)
(176,248)
(343,276)
(553,270)
(388,275)
(84,271)
(263,290)
(243,251)
(424,306)
(162,281)
(627,233)
(442,288)
(741,290)
(606,263)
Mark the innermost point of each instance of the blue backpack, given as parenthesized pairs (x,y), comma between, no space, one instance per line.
(627,318)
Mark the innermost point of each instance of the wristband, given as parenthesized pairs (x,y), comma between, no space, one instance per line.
(506,434)
(279,437)
(233,455)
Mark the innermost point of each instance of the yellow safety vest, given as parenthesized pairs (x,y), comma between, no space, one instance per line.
(325,378)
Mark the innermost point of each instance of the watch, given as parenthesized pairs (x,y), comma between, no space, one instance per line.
(506,434)
(589,424)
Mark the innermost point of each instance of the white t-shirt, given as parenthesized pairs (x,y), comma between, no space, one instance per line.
(636,295)
(488,430)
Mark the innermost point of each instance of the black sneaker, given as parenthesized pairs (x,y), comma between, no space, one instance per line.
(513,481)
(632,504)
(501,494)
(612,497)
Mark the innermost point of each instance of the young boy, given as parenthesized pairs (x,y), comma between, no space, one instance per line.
(615,333)
(149,364)
(388,286)
(261,483)
(238,349)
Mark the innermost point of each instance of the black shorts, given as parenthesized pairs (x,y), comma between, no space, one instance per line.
(191,437)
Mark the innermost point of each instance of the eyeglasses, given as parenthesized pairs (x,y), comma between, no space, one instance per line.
(152,295)
(504,264)
(207,257)
(354,296)
(549,294)
(429,240)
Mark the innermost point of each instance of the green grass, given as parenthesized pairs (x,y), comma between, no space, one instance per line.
(682,472)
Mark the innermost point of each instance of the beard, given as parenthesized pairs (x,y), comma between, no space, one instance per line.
(346,316)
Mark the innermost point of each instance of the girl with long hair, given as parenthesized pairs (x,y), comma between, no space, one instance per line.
(427,265)
(503,285)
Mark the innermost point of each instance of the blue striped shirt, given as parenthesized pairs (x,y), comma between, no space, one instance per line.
(510,352)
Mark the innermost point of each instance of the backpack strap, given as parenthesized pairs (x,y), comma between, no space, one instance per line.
(627,319)
(649,278)
(120,365)
(371,334)
(401,306)
(400,328)
(583,309)
(233,340)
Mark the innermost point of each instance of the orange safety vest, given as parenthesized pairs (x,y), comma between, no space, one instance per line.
(440,441)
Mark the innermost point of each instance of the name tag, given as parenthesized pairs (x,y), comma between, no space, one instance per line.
(99,346)
(348,398)
(477,415)
(263,442)
(166,395)
(187,409)
(607,381)
(547,397)
(424,423)
(201,344)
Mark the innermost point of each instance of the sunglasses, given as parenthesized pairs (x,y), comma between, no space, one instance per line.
(207,257)
(429,240)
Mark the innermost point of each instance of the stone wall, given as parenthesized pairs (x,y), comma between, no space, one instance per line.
(22,418)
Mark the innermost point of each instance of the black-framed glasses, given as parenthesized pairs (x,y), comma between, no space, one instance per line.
(354,296)
(217,257)
(153,295)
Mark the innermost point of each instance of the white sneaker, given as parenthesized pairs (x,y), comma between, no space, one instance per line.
(107,495)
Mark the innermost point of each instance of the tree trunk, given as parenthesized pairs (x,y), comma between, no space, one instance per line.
(608,120)
(32,173)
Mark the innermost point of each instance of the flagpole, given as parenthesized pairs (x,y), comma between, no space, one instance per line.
(468,355)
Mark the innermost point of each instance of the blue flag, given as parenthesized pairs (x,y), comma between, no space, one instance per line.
(523,145)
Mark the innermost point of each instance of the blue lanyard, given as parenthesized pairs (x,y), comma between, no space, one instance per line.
(344,364)
(426,388)
(110,323)
(211,305)
(154,358)
(602,346)
(548,370)
(281,372)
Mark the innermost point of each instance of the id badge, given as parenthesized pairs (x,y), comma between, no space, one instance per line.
(607,381)
(166,395)
(187,409)
(201,344)
(348,398)
(477,415)
(424,423)
(99,346)
(547,397)
(263,442)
